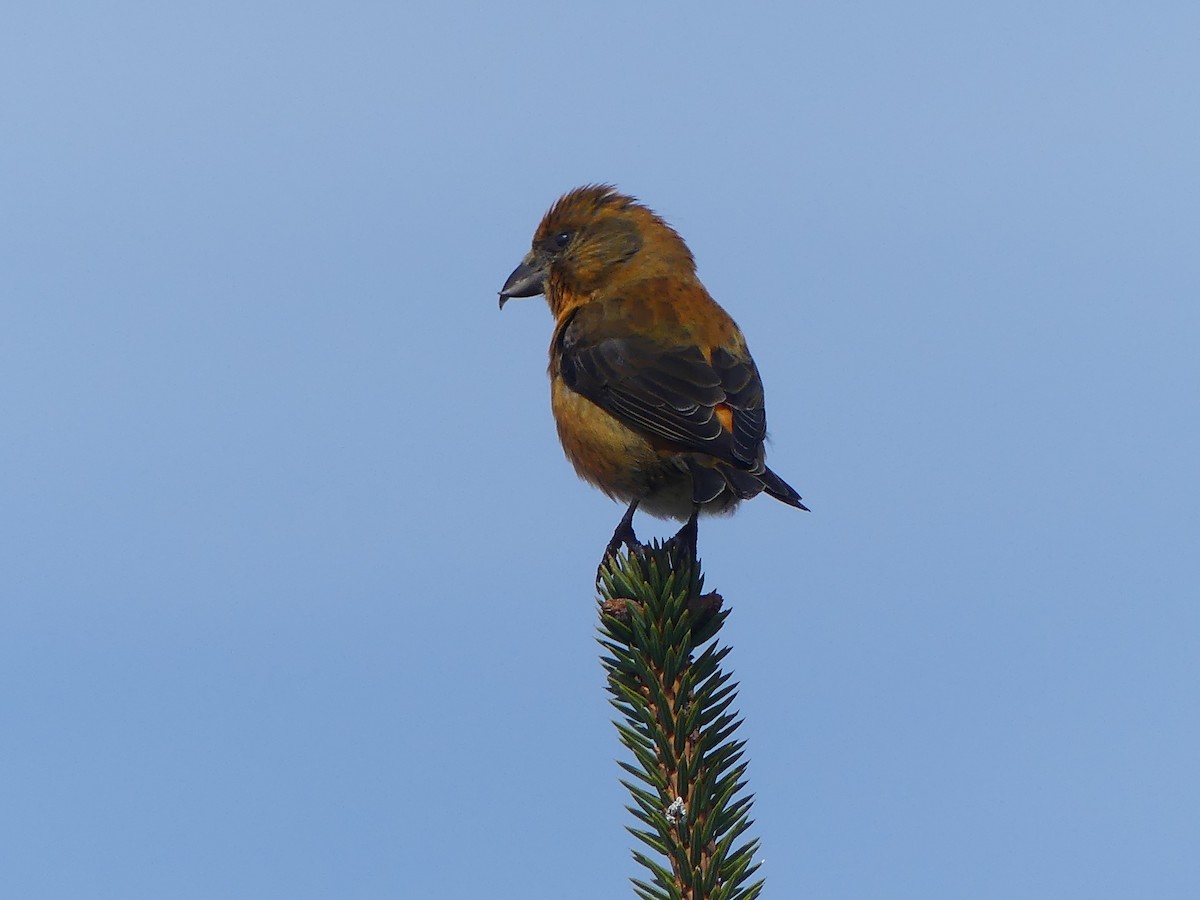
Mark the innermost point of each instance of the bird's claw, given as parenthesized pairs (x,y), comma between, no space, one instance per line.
(685,538)
(624,536)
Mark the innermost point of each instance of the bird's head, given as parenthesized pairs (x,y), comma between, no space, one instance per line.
(587,237)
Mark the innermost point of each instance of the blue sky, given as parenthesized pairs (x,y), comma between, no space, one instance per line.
(295,582)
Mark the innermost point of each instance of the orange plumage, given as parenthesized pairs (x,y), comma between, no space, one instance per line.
(655,395)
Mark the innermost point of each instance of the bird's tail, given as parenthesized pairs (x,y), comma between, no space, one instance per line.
(780,489)
(710,482)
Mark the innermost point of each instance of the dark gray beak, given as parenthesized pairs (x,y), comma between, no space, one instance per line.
(527,280)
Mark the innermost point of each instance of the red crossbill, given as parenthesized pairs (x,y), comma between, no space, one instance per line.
(656,398)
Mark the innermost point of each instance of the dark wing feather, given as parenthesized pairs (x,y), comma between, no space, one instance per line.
(744,395)
(670,393)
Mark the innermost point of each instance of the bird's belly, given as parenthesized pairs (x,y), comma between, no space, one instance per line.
(616,459)
(602,450)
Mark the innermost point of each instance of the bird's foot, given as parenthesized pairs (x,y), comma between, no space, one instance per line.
(624,536)
(684,541)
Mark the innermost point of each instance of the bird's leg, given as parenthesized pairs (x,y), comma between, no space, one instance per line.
(685,538)
(625,533)
(623,536)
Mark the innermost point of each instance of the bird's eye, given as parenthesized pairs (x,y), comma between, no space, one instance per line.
(562,239)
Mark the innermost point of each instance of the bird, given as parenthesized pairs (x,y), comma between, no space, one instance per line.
(655,396)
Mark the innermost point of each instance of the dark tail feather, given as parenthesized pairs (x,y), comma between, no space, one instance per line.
(780,489)
(707,483)
(749,484)
(743,484)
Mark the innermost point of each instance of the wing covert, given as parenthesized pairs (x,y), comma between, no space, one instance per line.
(671,393)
